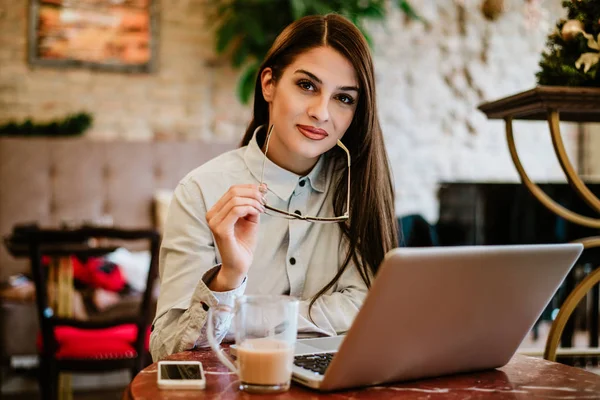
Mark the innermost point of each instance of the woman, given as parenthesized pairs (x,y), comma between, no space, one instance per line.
(282,214)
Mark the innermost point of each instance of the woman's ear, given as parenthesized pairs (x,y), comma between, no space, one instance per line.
(267,84)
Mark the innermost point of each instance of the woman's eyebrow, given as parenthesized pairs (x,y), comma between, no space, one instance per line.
(314,77)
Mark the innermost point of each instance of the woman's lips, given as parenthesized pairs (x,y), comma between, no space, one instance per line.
(312,133)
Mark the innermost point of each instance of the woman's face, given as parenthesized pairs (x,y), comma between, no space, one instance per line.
(311,106)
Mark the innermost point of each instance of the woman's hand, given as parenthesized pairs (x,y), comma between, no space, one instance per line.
(234,221)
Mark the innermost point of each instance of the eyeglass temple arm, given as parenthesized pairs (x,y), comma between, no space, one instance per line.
(262,175)
(339,143)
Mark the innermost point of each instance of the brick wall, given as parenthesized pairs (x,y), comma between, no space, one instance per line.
(188,95)
(430,81)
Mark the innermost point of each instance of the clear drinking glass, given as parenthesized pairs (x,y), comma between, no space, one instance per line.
(265,336)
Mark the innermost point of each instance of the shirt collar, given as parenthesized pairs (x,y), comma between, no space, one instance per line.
(279,180)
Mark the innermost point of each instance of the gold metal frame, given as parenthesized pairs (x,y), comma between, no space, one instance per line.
(551,104)
(567,167)
(580,291)
(565,312)
(563,158)
(288,215)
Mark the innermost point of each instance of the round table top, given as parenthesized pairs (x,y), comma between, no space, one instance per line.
(522,377)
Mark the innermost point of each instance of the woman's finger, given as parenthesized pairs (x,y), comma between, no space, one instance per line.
(249,191)
(217,219)
(250,213)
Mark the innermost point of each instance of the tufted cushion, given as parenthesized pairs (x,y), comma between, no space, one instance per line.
(50,181)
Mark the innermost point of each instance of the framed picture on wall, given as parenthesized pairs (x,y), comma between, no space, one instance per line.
(117,35)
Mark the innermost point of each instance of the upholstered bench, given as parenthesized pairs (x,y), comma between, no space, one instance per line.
(69,181)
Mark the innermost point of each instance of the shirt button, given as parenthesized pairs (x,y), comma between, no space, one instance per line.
(292,261)
(297,212)
(302,183)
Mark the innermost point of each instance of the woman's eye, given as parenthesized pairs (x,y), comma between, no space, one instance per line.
(306,85)
(345,99)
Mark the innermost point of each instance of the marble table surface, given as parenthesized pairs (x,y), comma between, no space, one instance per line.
(522,378)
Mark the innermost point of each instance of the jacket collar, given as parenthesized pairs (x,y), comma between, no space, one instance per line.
(279,180)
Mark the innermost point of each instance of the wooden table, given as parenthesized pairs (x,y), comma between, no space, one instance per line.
(523,377)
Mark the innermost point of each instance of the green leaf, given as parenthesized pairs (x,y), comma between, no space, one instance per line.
(239,55)
(74,124)
(246,82)
(322,8)
(254,30)
(405,6)
(298,8)
(225,35)
(376,11)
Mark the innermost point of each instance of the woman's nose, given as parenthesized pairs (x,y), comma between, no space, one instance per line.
(318,109)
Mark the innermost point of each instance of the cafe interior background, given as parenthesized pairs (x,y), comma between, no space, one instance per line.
(164,74)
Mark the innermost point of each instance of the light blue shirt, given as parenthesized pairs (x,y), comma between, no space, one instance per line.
(292,256)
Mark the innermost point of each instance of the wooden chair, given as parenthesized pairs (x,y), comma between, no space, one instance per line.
(74,345)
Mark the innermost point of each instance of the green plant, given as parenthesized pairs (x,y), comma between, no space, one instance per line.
(573,49)
(72,125)
(245,29)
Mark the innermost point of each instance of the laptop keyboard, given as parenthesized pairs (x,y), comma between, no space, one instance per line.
(314,362)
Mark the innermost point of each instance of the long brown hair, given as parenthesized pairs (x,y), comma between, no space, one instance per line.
(371,230)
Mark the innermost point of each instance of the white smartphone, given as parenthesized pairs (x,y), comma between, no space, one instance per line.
(181,375)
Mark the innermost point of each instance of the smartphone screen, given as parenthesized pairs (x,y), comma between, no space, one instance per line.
(180,371)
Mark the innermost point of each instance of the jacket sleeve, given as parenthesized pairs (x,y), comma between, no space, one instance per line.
(333,313)
(187,263)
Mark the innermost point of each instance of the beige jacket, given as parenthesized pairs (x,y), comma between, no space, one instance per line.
(292,257)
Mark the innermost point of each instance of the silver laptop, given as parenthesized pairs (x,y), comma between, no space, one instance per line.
(437,311)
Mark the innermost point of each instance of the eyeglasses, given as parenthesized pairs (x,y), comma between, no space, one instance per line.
(284,214)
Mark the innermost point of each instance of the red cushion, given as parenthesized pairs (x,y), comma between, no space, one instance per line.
(114,342)
(96,272)
(98,350)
